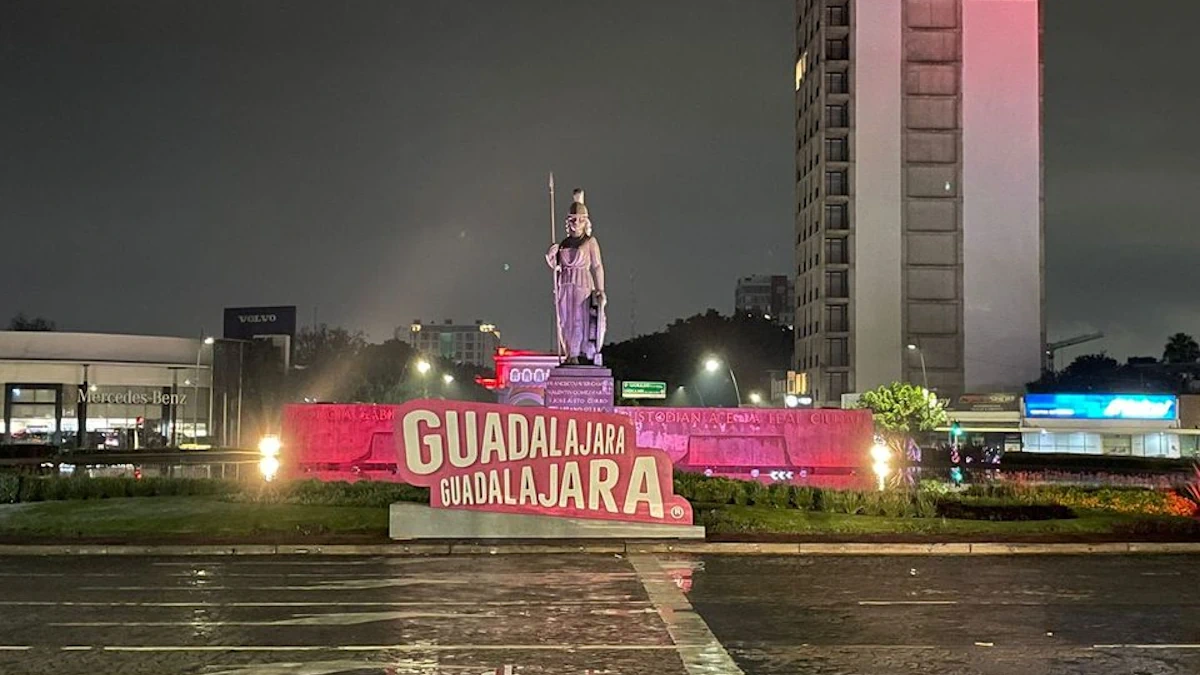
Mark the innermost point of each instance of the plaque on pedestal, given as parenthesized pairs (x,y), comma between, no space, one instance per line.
(586,388)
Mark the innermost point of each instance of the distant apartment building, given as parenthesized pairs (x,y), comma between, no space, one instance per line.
(918,194)
(771,296)
(473,344)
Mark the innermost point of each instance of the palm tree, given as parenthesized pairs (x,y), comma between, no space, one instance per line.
(1181,348)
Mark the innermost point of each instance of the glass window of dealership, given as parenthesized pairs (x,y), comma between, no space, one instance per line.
(133,391)
(118,416)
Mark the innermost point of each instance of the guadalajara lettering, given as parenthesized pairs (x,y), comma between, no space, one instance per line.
(495,458)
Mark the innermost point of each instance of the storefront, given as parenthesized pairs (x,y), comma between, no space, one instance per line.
(101,391)
(1138,425)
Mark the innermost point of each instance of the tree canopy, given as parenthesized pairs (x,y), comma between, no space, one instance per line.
(30,323)
(751,346)
(902,408)
(335,364)
(1181,348)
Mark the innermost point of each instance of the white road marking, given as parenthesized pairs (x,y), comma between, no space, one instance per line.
(1150,646)
(332,619)
(884,603)
(699,649)
(404,648)
(340,585)
(441,603)
(15,648)
(77,648)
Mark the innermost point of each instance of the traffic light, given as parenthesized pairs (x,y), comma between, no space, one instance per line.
(956,432)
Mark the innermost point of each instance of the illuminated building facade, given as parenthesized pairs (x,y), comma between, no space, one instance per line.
(472,344)
(918,194)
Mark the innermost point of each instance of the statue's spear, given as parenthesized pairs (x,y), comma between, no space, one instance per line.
(558,337)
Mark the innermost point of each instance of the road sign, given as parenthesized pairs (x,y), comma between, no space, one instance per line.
(644,390)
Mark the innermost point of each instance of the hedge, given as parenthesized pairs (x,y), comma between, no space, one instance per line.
(983,502)
(39,489)
(334,493)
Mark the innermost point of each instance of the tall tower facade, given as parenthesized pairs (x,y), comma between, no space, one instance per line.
(918,194)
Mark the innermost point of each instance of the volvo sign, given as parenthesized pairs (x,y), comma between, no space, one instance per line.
(247,323)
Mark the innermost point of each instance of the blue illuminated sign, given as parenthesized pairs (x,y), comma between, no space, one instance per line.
(1101,406)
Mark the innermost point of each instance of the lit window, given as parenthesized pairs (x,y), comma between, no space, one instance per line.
(801,69)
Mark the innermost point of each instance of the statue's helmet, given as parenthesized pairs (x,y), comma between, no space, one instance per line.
(579,211)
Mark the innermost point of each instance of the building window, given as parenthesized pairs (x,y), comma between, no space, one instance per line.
(836,184)
(837,318)
(837,216)
(839,383)
(837,115)
(838,149)
(839,15)
(838,82)
(837,284)
(837,49)
(836,251)
(839,352)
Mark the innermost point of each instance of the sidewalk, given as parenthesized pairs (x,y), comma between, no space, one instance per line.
(618,548)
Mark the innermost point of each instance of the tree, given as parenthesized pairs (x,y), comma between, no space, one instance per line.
(321,345)
(1181,348)
(901,409)
(751,346)
(26,323)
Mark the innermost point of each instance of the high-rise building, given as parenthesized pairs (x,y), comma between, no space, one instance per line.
(771,296)
(470,343)
(919,194)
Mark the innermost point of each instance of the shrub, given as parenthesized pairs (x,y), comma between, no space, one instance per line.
(803,497)
(779,496)
(843,501)
(335,493)
(10,488)
(755,493)
(1174,527)
(1000,510)
(37,489)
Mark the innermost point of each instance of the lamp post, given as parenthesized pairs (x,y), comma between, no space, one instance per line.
(196,390)
(423,368)
(713,364)
(924,375)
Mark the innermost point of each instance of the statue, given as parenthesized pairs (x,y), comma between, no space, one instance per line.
(578,288)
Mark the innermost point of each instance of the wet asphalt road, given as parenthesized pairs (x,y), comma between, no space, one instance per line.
(567,615)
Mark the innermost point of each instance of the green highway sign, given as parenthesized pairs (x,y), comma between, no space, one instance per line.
(643,390)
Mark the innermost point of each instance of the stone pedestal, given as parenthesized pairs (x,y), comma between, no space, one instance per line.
(415,522)
(585,388)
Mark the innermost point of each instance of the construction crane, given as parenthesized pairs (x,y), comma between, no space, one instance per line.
(1053,347)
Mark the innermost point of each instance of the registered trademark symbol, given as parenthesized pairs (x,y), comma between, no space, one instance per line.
(676,512)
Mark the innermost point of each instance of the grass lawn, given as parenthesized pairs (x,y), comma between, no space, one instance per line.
(185,517)
(211,519)
(735,520)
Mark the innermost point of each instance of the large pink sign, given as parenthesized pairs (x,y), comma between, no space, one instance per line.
(827,448)
(537,461)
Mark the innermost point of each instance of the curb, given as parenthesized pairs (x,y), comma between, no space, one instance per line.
(609,548)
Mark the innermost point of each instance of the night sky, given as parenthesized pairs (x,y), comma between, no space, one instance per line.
(385,161)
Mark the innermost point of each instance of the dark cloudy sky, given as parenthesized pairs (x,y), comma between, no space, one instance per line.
(387,160)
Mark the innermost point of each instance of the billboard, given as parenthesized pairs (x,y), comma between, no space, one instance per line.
(1151,407)
(247,323)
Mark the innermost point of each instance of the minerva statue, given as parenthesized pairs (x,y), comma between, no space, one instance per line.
(578,288)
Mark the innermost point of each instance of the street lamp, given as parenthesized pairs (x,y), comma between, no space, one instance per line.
(880,455)
(423,366)
(713,364)
(269,448)
(924,375)
(448,378)
(755,397)
(207,341)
